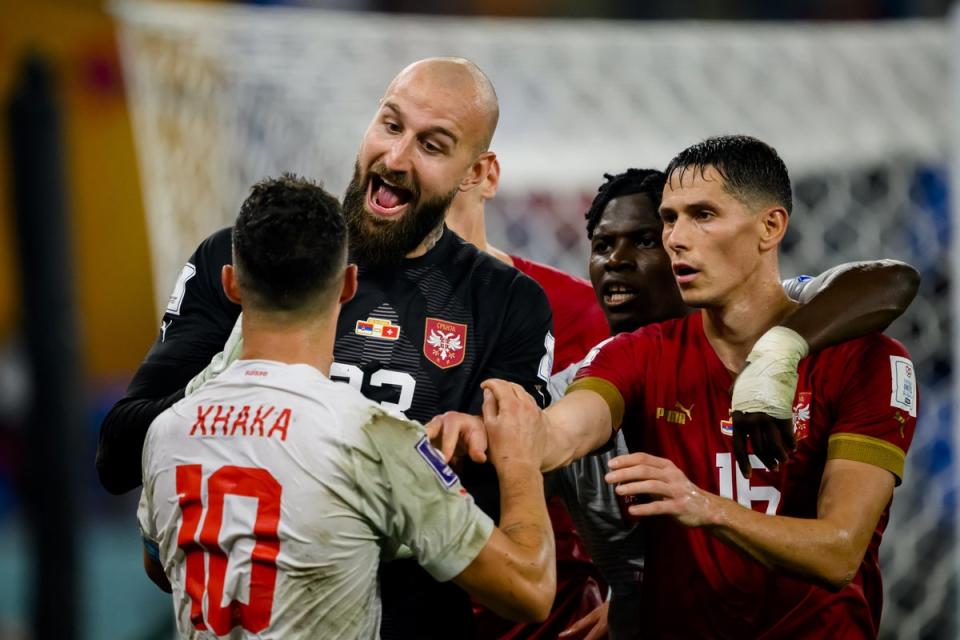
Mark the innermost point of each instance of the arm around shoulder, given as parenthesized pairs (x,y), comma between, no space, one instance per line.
(196,323)
(849,301)
(853,299)
(122,434)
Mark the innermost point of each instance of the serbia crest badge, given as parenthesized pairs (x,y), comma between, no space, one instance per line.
(444,343)
(801,415)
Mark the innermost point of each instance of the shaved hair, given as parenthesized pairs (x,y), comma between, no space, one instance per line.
(462,75)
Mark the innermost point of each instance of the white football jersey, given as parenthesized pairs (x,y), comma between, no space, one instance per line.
(272,493)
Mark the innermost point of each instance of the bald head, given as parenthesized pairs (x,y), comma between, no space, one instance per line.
(427,142)
(462,81)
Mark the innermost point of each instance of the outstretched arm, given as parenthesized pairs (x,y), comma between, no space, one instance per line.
(576,425)
(196,324)
(848,301)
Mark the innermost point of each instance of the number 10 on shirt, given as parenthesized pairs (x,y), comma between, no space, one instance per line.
(253,616)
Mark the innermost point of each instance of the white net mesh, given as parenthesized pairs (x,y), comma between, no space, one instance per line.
(225,95)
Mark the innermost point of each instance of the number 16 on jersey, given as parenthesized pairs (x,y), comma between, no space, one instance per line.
(746,494)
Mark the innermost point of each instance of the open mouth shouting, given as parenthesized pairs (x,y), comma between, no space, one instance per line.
(684,273)
(385,198)
(616,294)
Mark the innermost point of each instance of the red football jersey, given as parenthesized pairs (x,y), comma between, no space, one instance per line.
(578,320)
(857,401)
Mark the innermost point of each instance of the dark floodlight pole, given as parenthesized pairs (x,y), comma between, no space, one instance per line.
(49,325)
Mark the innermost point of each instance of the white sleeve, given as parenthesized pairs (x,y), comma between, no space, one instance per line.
(231,352)
(561,380)
(146,517)
(804,288)
(413,498)
(794,287)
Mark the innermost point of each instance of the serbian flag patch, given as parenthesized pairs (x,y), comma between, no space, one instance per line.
(377,328)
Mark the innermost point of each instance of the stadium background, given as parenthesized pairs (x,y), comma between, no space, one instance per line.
(161,135)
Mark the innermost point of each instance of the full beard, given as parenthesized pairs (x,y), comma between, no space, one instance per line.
(378,243)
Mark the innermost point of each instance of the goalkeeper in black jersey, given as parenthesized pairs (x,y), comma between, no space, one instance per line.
(433,316)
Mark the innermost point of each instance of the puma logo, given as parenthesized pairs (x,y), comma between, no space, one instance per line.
(684,410)
(678,415)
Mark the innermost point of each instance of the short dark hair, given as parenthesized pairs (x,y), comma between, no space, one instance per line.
(289,244)
(630,182)
(751,169)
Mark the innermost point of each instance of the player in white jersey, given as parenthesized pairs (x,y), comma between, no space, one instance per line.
(271,494)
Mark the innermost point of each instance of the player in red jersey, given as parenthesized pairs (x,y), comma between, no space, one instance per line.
(632,276)
(578,321)
(720,565)
(579,324)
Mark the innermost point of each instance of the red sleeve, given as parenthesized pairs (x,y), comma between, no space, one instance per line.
(876,406)
(578,320)
(613,370)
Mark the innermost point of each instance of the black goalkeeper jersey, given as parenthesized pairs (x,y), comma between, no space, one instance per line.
(422,338)
(419,338)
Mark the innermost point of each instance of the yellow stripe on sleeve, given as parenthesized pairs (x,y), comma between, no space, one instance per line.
(606,390)
(861,448)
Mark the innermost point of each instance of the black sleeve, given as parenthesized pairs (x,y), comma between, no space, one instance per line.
(196,324)
(524,355)
(524,352)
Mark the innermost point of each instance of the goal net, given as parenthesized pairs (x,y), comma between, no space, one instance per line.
(223,95)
